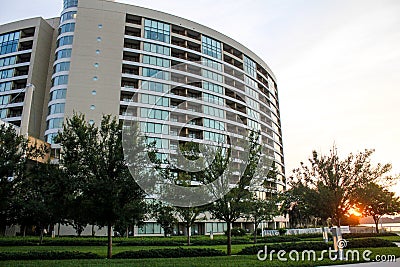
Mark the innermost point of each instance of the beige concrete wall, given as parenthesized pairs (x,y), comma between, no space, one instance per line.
(145,12)
(54,23)
(81,84)
(38,74)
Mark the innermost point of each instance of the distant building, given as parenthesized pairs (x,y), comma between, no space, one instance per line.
(100,57)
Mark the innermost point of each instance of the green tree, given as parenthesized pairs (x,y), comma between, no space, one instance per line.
(15,154)
(38,197)
(262,210)
(165,217)
(95,156)
(188,215)
(235,203)
(376,201)
(329,183)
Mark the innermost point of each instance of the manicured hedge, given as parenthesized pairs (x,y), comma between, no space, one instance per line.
(369,243)
(363,235)
(286,247)
(47,255)
(198,241)
(54,242)
(279,239)
(168,253)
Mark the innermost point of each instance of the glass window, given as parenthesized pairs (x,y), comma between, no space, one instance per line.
(59,80)
(216,137)
(216,112)
(150,228)
(156,30)
(70,3)
(4,99)
(250,67)
(5,86)
(211,47)
(92,107)
(158,74)
(4,74)
(94,92)
(64,53)
(50,138)
(7,61)
(159,143)
(9,43)
(253,103)
(56,123)
(65,40)
(149,127)
(156,87)
(208,123)
(68,16)
(156,61)
(155,48)
(211,75)
(155,100)
(250,82)
(213,99)
(68,27)
(58,94)
(63,66)
(212,64)
(56,108)
(213,87)
(254,125)
(154,114)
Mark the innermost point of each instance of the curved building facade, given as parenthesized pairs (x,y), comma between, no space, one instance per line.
(182,80)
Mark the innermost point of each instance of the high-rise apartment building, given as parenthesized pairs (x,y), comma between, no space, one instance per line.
(182,80)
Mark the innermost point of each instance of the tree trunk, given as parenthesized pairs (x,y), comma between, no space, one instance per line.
(255,232)
(229,241)
(59,228)
(41,235)
(376,220)
(109,246)
(188,234)
(127,232)
(93,233)
(24,231)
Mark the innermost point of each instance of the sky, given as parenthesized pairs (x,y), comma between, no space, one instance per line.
(337,65)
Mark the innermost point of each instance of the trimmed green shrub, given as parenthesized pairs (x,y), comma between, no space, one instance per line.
(169,253)
(363,235)
(237,232)
(279,239)
(369,243)
(300,246)
(282,231)
(47,255)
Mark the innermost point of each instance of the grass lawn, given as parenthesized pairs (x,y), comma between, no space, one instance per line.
(206,261)
(391,238)
(102,250)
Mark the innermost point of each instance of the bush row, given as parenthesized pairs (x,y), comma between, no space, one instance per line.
(363,235)
(47,255)
(169,253)
(369,243)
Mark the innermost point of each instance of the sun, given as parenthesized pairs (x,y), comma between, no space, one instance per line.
(355,211)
